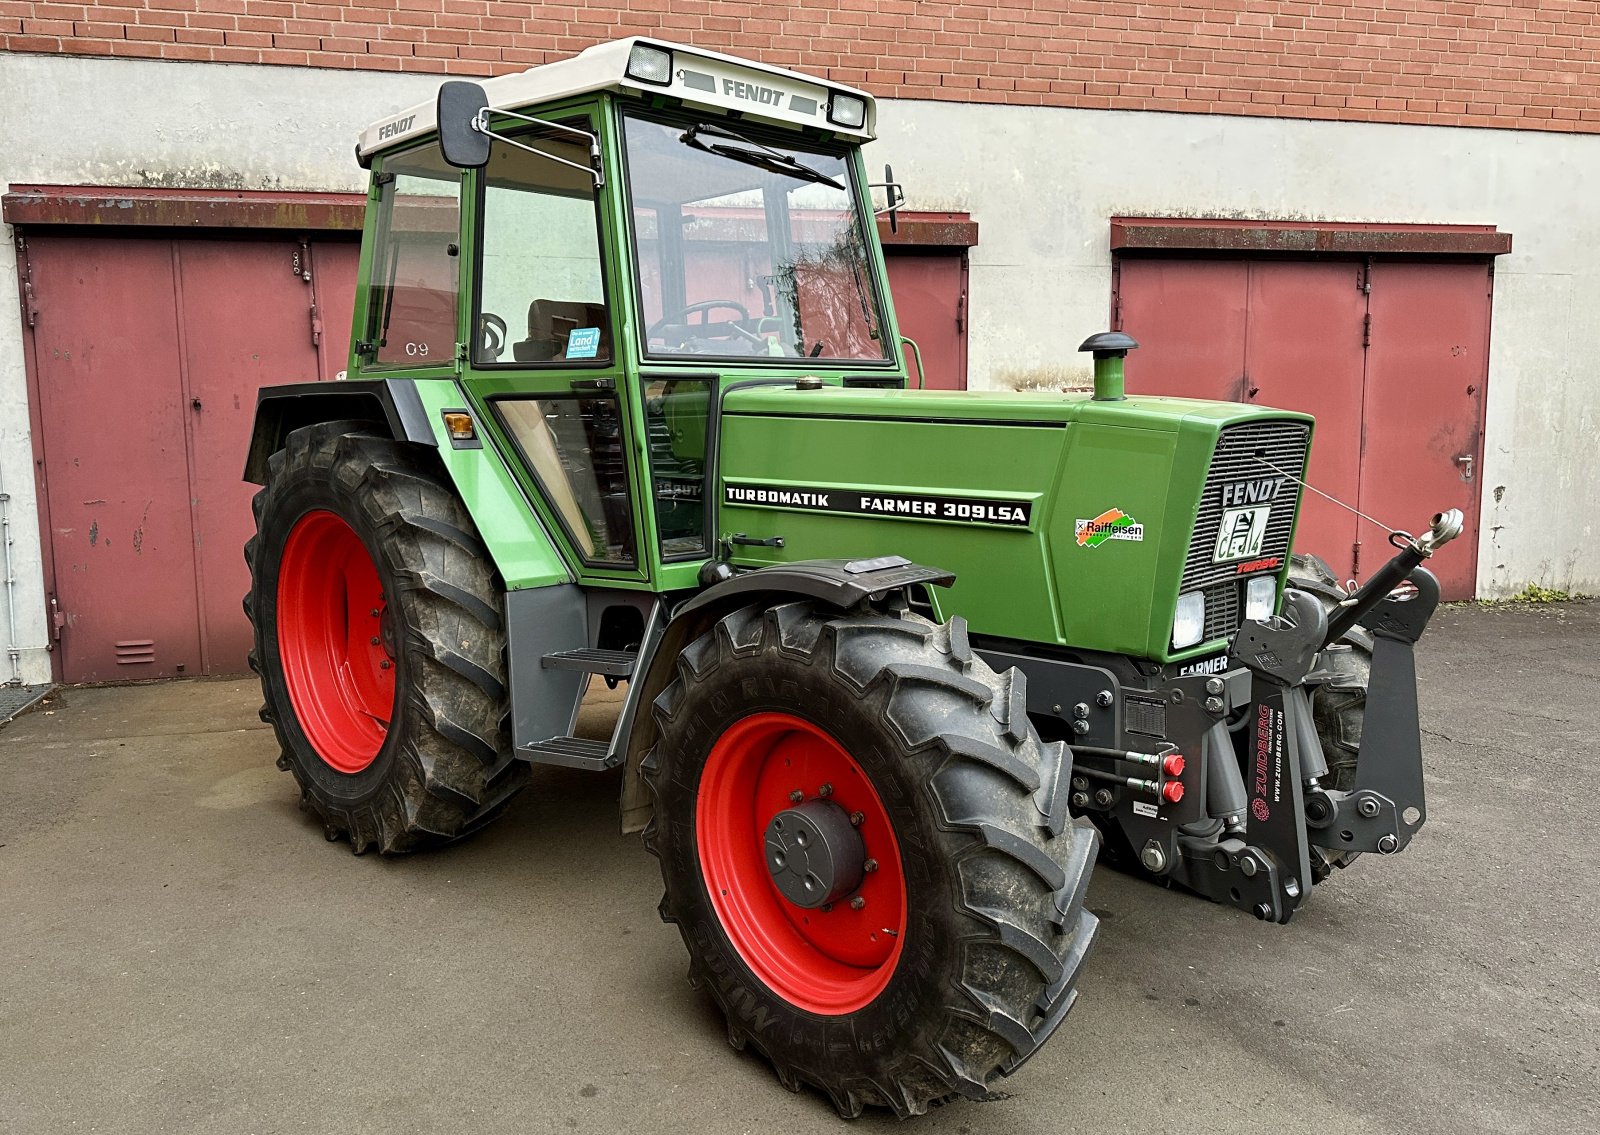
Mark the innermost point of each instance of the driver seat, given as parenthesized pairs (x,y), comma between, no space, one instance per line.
(551,323)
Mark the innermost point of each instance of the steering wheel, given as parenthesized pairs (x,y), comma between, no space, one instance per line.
(707,306)
(491,335)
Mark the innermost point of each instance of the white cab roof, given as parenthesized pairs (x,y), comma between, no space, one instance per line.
(705,79)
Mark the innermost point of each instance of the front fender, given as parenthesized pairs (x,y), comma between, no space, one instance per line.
(841,584)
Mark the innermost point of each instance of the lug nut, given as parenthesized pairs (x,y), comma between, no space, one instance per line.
(796,796)
(825,791)
(1104,797)
(1104,699)
(1080,726)
(857,819)
(1388,845)
(1079,800)
(1368,807)
(1080,783)
(1213,685)
(858,903)
(870,866)
(1081,710)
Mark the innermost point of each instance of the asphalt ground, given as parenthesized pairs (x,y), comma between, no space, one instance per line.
(181,951)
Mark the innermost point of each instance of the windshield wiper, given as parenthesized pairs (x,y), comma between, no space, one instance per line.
(762,157)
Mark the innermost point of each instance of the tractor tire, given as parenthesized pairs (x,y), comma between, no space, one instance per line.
(1339,705)
(958,953)
(379,641)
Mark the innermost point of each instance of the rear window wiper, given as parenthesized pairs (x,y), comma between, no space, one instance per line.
(762,157)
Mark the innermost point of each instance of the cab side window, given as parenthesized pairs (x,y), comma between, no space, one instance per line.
(416,259)
(541,290)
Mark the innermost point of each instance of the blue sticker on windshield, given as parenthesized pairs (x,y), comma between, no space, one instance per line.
(583,343)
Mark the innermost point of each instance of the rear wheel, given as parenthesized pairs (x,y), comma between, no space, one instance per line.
(866,848)
(379,642)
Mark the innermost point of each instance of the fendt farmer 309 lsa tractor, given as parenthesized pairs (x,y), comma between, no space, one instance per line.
(627,400)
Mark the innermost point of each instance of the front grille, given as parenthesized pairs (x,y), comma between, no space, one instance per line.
(1243,454)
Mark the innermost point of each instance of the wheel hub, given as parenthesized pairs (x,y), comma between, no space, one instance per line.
(814,853)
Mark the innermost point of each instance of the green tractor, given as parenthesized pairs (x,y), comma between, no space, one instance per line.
(627,400)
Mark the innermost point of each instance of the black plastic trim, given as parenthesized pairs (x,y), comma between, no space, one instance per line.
(281,409)
(828,581)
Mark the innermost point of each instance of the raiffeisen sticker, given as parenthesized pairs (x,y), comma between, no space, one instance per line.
(1112,524)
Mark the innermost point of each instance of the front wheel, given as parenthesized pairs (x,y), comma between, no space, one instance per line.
(1339,704)
(866,848)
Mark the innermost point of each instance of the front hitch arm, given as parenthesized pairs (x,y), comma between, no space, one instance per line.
(1446,526)
(1289,810)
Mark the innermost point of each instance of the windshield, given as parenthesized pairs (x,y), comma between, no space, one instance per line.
(748,249)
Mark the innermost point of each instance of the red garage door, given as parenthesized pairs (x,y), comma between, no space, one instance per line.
(1390,356)
(930,299)
(147,354)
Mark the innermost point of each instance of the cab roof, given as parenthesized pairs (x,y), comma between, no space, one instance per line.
(700,78)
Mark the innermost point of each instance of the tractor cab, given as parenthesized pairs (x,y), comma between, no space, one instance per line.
(592,247)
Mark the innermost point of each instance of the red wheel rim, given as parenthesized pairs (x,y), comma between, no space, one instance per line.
(828,961)
(339,672)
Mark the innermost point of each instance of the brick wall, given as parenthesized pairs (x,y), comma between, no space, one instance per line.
(1527,65)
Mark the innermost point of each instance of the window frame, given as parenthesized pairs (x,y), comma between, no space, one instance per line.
(637,561)
(586,117)
(877,280)
(365,345)
(707,536)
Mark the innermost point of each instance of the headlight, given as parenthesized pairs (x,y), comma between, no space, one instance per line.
(1259,596)
(650,64)
(1189,620)
(847,111)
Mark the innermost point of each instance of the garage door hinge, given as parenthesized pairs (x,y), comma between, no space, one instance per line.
(1366,330)
(30,301)
(58,618)
(961,311)
(1364,279)
(1355,558)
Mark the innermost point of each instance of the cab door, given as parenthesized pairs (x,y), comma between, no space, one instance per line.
(543,353)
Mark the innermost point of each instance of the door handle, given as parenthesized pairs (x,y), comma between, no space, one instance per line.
(1466,467)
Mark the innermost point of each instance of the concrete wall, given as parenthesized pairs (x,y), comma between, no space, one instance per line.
(135,122)
(1041,181)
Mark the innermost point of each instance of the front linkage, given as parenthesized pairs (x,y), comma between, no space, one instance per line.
(1249,819)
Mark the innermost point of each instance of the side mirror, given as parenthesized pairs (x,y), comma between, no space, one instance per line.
(894,194)
(462,143)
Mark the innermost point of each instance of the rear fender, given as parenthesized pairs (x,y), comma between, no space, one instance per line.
(412,411)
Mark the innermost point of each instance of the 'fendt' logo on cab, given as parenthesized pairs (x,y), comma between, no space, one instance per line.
(749,92)
(395,128)
(1251,492)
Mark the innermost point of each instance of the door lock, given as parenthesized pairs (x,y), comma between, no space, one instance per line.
(1466,466)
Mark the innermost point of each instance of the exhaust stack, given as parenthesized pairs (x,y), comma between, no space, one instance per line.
(1110,348)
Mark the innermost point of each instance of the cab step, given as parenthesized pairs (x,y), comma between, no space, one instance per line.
(592,660)
(570,752)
